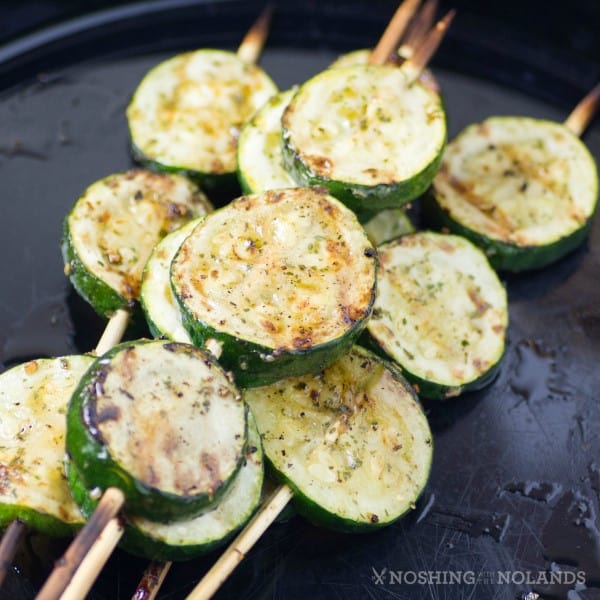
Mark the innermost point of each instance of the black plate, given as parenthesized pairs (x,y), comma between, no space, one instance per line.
(515,484)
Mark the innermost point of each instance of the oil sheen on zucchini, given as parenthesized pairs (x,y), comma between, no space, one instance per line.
(283,280)
(163,422)
(441,313)
(260,154)
(110,232)
(187,539)
(187,112)
(374,140)
(156,298)
(352,441)
(33,404)
(525,190)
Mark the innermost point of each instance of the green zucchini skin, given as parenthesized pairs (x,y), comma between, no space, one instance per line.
(334,438)
(372,185)
(220,188)
(295,348)
(209,92)
(149,491)
(504,256)
(33,400)
(188,539)
(524,190)
(441,314)
(104,262)
(156,298)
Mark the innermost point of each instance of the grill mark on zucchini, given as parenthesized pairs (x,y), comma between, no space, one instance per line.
(441,313)
(288,271)
(161,421)
(113,227)
(189,538)
(351,441)
(523,189)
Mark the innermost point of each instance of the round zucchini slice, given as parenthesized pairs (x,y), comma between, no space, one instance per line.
(367,134)
(187,113)
(113,227)
(187,539)
(161,421)
(33,403)
(352,441)
(283,280)
(525,190)
(260,154)
(156,297)
(441,313)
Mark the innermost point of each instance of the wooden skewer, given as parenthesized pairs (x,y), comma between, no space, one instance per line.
(153,577)
(414,66)
(113,332)
(110,504)
(242,544)
(584,112)
(388,43)
(99,553)
(10,542)
(417,31)
(252,44)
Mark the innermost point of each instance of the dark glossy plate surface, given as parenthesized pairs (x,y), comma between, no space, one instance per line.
(515,486)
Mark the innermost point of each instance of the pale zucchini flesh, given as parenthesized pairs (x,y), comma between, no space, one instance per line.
(440,313)
(388,225)
(33,401)
(158,302)
(260,153)
(351,441)
(187,112)
(284,280)
(524,189)
(162,421)
(113,227)
(367,134)
(184,540)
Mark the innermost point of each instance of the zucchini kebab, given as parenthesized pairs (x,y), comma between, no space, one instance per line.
(105,267)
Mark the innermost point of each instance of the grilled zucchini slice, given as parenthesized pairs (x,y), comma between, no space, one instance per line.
(110,232)
(441,313)
(161,421)
(259,153)
(187,112)
(33,401)
(187,539)
(525,190)
(352,441)
(367,134)
(283,280)
(156,298)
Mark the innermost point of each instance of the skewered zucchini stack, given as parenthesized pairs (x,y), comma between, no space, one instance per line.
(279,284)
